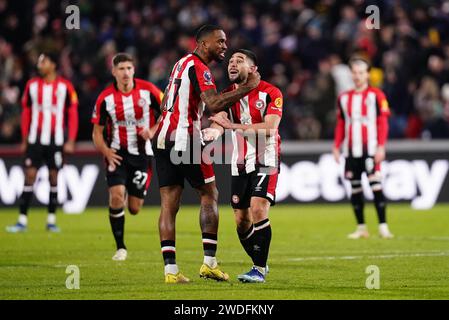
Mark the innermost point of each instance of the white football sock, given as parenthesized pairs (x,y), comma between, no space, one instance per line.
(171,268)
(51,218)
(210,261)
(23,219)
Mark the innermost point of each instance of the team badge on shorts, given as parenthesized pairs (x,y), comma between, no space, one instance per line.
(260,104)
(235,198)
(208,78)
(369,164)
(141,103)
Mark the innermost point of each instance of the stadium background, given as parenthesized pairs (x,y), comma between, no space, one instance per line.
(302,47)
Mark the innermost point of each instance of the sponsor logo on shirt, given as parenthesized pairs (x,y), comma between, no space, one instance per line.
(278,102)
(384,105)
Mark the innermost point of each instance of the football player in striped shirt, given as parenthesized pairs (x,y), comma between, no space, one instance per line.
(191,89)
(49,130)
(254,120)
(361,131)
(128,109)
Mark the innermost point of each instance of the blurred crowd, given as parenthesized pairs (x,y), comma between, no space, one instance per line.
(302,46)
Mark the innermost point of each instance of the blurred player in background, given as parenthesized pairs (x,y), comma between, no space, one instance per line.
(50,106)
(255,164)
(129,109)
(191,88)
(362,131)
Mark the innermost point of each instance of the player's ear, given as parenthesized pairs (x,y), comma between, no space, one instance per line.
(252,69)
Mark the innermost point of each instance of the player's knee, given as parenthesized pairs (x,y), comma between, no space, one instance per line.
(30,178)
(53,177)
(116,200)
(209,195)
(169,208)
(259,212)
(134,210)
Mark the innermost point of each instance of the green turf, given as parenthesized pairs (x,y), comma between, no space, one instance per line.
(310,256)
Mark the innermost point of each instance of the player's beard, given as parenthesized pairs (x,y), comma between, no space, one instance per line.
(216,57)
(237,80)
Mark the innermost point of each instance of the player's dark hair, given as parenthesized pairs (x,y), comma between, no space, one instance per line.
(248,53)
(206,30)
(52,56)
(355,60)
(121,57)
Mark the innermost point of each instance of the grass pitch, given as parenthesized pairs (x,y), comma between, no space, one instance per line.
(310,257)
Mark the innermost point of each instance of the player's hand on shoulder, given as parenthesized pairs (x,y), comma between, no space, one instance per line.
(252,81)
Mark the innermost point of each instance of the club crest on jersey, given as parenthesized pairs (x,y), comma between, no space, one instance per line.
(207,77)
(260,104)
(141,103)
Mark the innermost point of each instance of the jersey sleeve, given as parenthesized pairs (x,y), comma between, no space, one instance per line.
(383,112)
(274,102)
(339,133)
(99,114)
(72,105)
(26,111)
(383,108)
(156,98)
(201,78)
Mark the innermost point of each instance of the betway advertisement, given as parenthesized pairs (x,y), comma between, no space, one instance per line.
(419,178)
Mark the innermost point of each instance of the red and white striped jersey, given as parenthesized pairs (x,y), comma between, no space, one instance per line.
(253,149)
(183,107)
(45,107)
(126,114)
(362,122)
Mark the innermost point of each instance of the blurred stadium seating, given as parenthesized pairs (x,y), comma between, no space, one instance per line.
(302,47)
